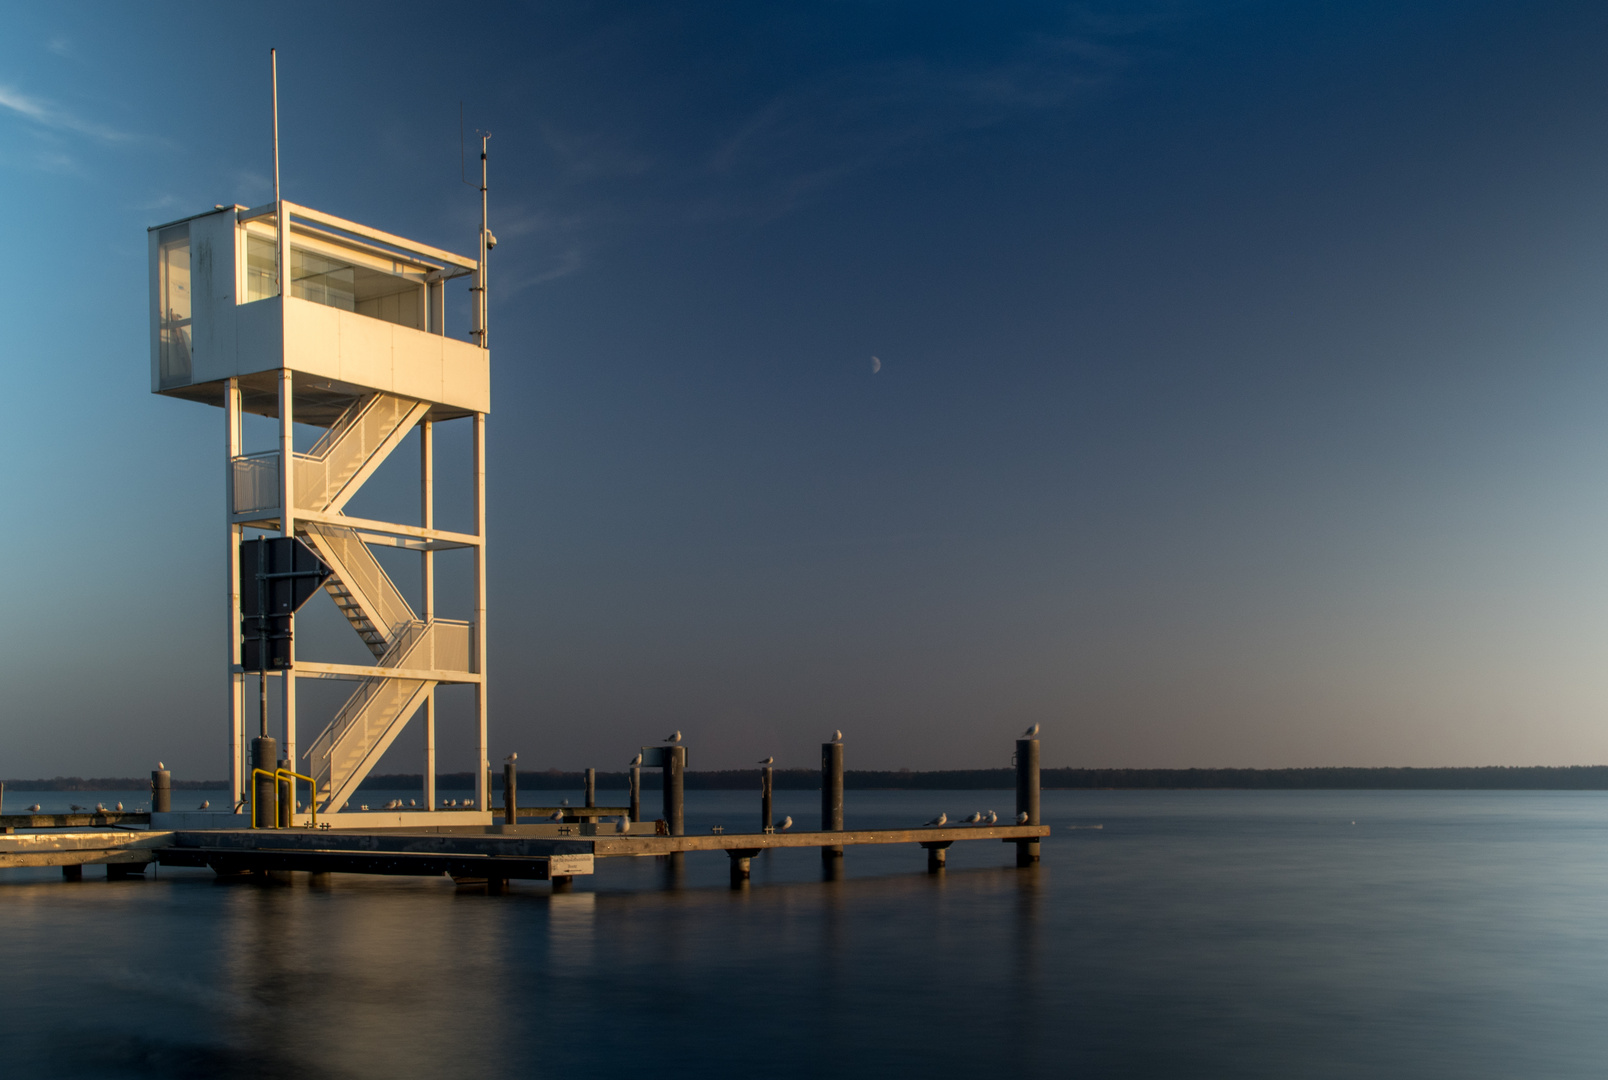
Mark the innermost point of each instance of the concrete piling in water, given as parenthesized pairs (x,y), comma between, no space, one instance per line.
(591,788)
(675,765)
(510,794)
(937,857)
(75,872)
(264,755)
(832,795)
(636,794)
(767,784)
(161,791)
(1027,796)
(742,861)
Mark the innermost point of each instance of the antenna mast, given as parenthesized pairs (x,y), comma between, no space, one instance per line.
(273,61)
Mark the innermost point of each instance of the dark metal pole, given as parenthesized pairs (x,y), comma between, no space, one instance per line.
(832,795)
(675,763)
(287,796)
(636,794)
(767,784)
(591,787)
(1027,796)
(161,791)
(510,794)
(264,753)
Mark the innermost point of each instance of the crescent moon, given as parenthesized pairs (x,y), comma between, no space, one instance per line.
(876,365)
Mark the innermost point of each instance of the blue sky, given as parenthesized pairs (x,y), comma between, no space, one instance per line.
(1241,402)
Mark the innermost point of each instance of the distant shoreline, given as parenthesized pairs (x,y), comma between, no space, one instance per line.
(1481,778)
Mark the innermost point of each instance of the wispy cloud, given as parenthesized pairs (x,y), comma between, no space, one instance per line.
(51,116)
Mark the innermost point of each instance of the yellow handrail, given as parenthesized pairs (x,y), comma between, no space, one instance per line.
(277,775)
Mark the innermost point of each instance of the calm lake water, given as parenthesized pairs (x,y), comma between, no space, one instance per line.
(1198,934)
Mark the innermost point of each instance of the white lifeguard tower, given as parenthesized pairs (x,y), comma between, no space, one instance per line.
(356,344)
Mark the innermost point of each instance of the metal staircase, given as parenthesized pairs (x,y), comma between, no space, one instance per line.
(326,478)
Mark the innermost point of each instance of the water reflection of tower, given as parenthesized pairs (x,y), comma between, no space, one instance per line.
(358,346)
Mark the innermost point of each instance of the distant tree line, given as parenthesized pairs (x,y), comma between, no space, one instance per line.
(1484,778)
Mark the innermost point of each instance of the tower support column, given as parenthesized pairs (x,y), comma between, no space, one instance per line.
(287,527)
(484,794)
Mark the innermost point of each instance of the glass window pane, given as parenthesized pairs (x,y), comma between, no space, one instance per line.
(173,294)
(259,268)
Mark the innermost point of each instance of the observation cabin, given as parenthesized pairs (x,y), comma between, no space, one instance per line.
(357,344)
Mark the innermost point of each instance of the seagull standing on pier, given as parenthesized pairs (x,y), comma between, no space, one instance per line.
(34,809)
(206,804)
(1021,819)
(993,818)
(941,819)
(784,823)
(625,823)
(768,761)
(119,808)
(557,815)
(975,819)
(673,737)
(1031,733)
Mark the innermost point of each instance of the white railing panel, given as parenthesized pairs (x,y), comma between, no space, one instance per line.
(256,482)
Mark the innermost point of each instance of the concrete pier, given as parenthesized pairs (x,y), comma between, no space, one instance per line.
(161,791)
(675,765)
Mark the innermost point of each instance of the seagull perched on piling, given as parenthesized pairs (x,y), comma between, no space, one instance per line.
(673,737)
(784,823)
(638,759)
(206,804)
(975,819)
(1031,732)
(768,761)
(1021,819)
(837,735)
(941,819)
(512,757)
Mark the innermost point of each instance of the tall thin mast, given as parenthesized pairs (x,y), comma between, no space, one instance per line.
(273,60)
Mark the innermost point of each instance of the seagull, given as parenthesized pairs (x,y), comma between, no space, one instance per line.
(637,760)
(837,736)
(413,802)
(1021,819)
(1031,732)
(564,803)
(512,757)
(159,765)
(469,803)
(784,823)
(941,819)
(625,823)
(206,804)
(975,819)
(100,808)
(673,737)
(558,815)
(34,809)
(120,807)
(768,761)
(364,806)
(993,818)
